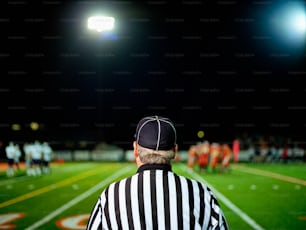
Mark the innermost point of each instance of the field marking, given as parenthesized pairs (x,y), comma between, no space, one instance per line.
(270,174)
(79,198)
(48,188)
(225,200)
(13,180)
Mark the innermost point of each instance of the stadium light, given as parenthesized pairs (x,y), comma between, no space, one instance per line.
(200,134)
(16,127)
(290,23)
(297,23)
(34,126)
(100,23)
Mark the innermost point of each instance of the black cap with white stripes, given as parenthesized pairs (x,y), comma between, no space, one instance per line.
(156,132)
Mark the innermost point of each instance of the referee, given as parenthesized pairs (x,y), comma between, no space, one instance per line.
(155,197)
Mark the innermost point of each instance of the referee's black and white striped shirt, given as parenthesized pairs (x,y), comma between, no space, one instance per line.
(156,198)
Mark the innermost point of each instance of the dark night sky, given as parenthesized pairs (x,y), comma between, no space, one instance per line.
(214,66)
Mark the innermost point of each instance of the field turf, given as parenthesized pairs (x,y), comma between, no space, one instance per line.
(253,196)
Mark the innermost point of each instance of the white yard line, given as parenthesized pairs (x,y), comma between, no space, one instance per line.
(226,201)
(13,180)
(48,188)
(81,197)
(270,174)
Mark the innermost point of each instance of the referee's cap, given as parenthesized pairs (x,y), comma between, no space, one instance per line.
(156,132)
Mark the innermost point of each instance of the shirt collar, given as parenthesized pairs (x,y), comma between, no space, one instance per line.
(164,167)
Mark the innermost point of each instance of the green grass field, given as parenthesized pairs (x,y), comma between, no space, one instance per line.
(253,196)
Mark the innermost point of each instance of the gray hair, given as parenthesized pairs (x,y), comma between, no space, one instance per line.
(150,156)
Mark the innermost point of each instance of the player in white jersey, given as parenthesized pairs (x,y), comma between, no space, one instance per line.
(36,157)
(10,154)
(27,149)
(46,157)
(17,156)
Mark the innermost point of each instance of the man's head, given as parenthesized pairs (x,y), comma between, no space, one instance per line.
(155,140)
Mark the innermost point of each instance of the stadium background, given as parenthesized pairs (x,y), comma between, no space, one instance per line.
(221,67)
(212,66)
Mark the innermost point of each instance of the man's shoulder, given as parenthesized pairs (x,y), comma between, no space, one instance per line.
(121,181)
(193,181)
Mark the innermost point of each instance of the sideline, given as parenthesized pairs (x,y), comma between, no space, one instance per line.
(48,188)
(269,174)
(79,198)
(225,200)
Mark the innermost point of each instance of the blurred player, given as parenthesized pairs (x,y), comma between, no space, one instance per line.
(203,158)
(46,157)
(36,158)
(192,156)
(226,153)
(27,149)
(214,155)
(17,156)
(236,149)
(10,154)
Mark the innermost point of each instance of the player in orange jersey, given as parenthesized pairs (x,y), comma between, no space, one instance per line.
(214,155)
(236,149)
(226,153)
(203,158)
(192,156)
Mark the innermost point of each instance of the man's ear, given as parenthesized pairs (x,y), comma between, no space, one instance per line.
(175,149)
(135,147)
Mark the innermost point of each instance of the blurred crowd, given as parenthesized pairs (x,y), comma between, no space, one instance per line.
(270,152)
(272,148)
(36,156)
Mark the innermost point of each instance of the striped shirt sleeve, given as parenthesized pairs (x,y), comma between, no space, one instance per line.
(95,221)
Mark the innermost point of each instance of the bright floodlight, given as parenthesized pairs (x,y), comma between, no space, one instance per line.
(295,21)
(101,23)
(298,22)
(290,22)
